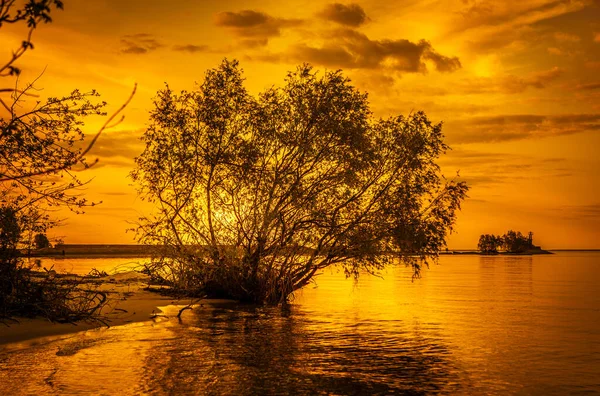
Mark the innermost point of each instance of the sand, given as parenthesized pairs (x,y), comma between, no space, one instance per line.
(128,303)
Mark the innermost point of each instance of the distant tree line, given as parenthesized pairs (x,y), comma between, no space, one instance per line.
(511,242)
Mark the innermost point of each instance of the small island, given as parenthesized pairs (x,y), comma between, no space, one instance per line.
(513,243)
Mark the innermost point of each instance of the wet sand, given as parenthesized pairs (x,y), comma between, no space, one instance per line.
(128,303)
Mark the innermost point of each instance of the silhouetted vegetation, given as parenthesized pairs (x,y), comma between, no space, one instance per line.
(41,241)
(256,195)
(511,242)
(489,243)
(41,142)
(515,242)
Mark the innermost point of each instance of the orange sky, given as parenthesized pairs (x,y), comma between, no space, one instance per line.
(515,82)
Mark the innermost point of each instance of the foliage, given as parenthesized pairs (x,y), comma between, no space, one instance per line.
(41,145)
(515,242)
(489,243)
(32,13)
(10,231)
(40,142)
(256,195)
(511,242)
(41,241)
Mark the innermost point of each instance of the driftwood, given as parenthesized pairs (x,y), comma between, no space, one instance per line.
(58,298)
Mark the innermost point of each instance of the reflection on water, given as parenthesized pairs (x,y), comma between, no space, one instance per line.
(472,325)
(244,350)
(84,265)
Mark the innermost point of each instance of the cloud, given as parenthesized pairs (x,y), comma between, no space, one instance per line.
(566,37)
(191,48)
(512,13)
(350,15)
(592,210)
(491,25)
(516,127)
(588,87)
(514,84)
(592,65)
(562,44)
(140,43)
(485,169)
(555,51)
(254,24)
(116,149)
(350,49)
(478,10)
(253,43)
(510,83)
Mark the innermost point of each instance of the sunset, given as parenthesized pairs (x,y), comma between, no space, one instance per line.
(247,161)
(515,84)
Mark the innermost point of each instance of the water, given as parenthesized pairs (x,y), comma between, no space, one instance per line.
(471,325)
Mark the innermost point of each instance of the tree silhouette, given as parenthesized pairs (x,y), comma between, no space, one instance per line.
(256,195)
(511,242)
(41,145)
(516,242)
(489,243)
(41,241)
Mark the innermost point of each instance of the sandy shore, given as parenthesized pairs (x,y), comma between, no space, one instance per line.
(128,303)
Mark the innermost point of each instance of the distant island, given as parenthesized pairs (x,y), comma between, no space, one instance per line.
(513,243)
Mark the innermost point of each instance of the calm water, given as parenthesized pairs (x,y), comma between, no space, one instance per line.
(471,325)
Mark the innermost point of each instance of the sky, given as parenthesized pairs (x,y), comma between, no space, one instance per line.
(516,84)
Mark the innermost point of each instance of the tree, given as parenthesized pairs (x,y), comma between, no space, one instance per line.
(511,242)
(41,241)
(489,243)
(515,242)
(41,144)
(256,195)
(10,232)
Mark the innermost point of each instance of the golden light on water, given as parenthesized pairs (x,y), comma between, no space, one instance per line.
(471,325)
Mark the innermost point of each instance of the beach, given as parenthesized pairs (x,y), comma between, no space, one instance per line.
(129,301)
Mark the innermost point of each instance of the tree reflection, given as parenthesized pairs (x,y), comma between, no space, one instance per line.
(244,349)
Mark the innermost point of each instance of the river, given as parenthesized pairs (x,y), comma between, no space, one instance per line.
(471,325)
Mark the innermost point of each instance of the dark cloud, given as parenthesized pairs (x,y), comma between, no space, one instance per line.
(346,14)
(117,209)
(353,50)
(253,43)
(140,43)
(191,48)
(541,79)
(588,87)
(115,149)
(254,24)
(242,19)
(479,168)
(493,25)
(479,13)
(516,127)
(592,210)
(118,144)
